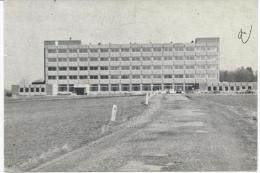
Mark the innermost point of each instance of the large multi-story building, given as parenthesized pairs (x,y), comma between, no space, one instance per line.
(74,67)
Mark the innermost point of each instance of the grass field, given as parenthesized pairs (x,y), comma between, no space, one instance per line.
(39,130)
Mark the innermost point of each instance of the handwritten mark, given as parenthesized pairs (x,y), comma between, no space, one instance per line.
(241,35)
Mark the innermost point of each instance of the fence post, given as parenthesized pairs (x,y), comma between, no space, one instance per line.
(113,115)
(146,99)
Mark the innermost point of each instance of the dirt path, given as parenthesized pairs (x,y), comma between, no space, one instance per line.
(182,135)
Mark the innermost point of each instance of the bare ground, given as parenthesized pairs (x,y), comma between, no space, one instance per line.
(192,133)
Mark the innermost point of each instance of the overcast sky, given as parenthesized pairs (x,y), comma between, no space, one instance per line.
(29,22)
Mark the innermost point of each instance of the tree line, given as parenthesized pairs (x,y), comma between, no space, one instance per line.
(240,74)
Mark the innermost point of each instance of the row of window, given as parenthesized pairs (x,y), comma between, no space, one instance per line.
(147,49)
(226,88)
(116,87)
(145,67)
(144,76)
(168,58)
(26,89)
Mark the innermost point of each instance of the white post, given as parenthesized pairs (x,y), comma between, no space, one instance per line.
(146,99)
(113,116)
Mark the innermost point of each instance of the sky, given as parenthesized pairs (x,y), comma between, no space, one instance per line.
(27,23)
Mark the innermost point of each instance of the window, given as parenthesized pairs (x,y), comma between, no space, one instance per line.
(167,58)
(212,66)
(73,77)
(114,87)
(93,50)
(167,49)
(37,90)
(104,77)
(243,87)
(178,66)
(157,67)
(189,66)
(146,67)
(212,75)
(136,58)
(83,50)
(52,60)
(83,77)
(63,68)
(83,68)
(178,48)
(51,50)
(103,67)
(114,50)
(42,89)
(167,67)
(52,77)
(178,57)
(136,87)
(73,59)
(114,59)
(104,87)
(237,88)
(178,76)
(83,59)
(125,50)
(93,59)
(157,87)
(135,76)
(136,68)
(73,68)
(146,58)
(94,87)
(125,68)
(226,88)
(209,88)
(62,50)
(189,57)
(21,90)
(220,88)
(71,88)
(157,58)
(73,50)
(104,59)
(114,77)
(202,57)
(61,87)
(93,67)
(136,49)
(62,59)
(114,67)
(93,77)
(157,76)
(125,87)
(147,49)
(200,75)
(62,77)
(125,59)
(146,87)
(103,50)
(125,77)
(146,76)
(249,87)
(201,66)
(167,76)
(189,48)
(52,68)
(157,49)
(189,75)
(232,88)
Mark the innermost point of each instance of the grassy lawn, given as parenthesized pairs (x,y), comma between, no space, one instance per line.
(38,130)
